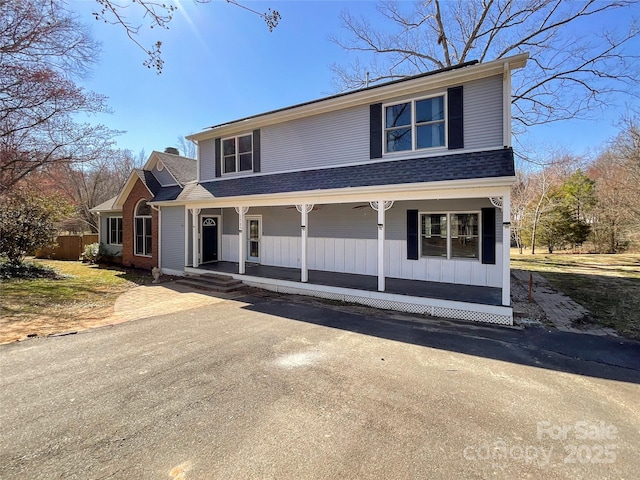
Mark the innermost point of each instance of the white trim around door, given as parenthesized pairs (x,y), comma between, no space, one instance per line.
(212,221)
(253,226)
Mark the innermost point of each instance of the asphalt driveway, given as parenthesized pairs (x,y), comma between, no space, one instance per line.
(271,387)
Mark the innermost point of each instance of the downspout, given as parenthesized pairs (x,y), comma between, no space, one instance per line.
(157,209)
(99,227)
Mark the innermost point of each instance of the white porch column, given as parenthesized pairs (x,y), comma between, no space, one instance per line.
(381,246)
(381,206)
(241,211)
(194,235)
(304,210)
(506,248)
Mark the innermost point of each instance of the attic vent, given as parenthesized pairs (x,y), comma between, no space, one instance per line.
(172,150)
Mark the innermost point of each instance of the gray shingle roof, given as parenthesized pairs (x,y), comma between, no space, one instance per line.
(149,180)
(167,193)
(184,169)
(494,163)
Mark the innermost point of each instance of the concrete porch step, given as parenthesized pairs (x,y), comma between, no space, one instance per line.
(211,282)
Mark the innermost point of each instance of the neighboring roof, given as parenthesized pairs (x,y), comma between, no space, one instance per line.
(488,164)
(380,92)
(183,169)
(107,206)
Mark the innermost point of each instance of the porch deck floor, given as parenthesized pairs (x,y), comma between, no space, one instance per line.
(400,286)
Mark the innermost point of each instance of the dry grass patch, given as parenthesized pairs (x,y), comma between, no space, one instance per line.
(82,297)
(606,285)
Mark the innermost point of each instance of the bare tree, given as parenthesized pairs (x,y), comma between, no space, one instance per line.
(158,14)
(522,196)
(186,147)
(544,184)
(571,72)
(617,174)
(42,48)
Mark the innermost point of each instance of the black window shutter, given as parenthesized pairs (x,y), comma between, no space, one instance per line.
(375,130)
(454,110)
(256,151)
(412,234)
(218,157)
(489,236)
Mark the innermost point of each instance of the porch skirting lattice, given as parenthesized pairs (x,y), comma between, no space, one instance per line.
(433,307)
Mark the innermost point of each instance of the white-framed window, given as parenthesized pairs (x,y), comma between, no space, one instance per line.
(415,124)
(237,154)
(114,229)
(450,235)
(143,237)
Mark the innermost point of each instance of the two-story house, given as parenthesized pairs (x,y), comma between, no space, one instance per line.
(395,196)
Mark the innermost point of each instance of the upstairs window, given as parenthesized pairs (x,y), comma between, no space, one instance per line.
(115,230)
(415,125)
(237,154)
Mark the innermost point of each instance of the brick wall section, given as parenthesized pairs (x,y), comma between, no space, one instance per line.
(129,259)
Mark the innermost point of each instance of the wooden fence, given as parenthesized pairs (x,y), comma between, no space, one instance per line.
(69,247)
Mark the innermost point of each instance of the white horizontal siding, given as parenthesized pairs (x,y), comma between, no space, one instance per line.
(333,138)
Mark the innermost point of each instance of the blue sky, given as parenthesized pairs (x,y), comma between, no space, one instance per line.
(222,63)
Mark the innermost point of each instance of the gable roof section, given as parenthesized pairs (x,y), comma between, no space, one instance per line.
(147,179)
(464,166)
(183,169)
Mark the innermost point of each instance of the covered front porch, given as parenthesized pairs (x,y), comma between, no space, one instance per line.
(466,302)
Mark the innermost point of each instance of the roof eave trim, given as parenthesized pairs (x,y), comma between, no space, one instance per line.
(128,186)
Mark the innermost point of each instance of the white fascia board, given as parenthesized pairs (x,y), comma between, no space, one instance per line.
(126,190)
(151,161)
(378,94)
(485,187)
(105,210)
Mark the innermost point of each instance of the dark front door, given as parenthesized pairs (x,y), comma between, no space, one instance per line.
(209,239)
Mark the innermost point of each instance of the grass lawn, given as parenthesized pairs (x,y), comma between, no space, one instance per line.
(607,285)
(83,297)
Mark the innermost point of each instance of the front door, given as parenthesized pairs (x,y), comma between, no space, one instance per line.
(209,239)
(253,239)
